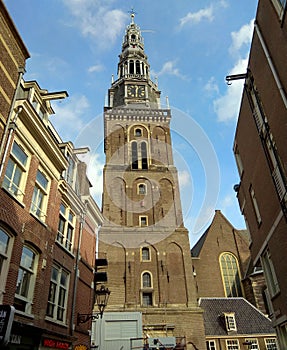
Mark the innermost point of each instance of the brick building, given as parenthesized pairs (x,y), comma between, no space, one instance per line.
(261,155)
(48,220)
(222,264)
(143,236)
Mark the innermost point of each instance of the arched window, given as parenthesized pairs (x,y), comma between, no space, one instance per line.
(26,280)
(146,280)
(230,275)
(134,155)
(138,132)
(145,254)
(144,155)
(141,188)
(138,70)
(6,245)
(132,68)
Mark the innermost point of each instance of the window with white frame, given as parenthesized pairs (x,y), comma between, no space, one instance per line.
(269,273)
(252,344)
(142,189)
(58,294)
(145,254)
(255,205)
(26,280)
(230,321)
(280,6)
(15,175)
(66,227)
(40,194)
(211,345)
(271,344)
(147,294)
(230,275)
(232,344)
(6,243)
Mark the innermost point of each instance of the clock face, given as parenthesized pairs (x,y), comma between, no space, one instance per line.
(136,91)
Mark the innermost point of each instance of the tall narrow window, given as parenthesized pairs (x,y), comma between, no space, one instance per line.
(255,205)
(132,67)
(26,280)
(134,155)
(145,254)
(143,221)
(58,294)
(38,204)
(146,280)
(147,294)
(230,275)
(144,155)
(6,242)
(66,225)
(138,70)
(269,273)
(13,179)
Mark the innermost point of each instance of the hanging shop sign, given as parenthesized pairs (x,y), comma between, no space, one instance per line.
(80,347)
(6,319)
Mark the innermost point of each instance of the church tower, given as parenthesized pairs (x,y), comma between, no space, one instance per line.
(143,237)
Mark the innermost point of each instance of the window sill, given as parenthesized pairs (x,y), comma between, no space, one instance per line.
(52,320)
(65,249)
(38,219)
(25,314)
(14,197)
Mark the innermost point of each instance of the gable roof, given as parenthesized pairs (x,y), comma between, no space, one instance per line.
(248,319)
(195,250)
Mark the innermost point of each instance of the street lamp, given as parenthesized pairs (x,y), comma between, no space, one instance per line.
(102,297)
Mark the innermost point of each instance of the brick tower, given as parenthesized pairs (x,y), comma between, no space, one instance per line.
(143,236)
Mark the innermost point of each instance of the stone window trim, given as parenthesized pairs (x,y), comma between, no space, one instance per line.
(143,220)
(230,274)
(141,188)
(145,254)
(146,281)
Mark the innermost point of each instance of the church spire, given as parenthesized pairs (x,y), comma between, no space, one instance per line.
(133,84)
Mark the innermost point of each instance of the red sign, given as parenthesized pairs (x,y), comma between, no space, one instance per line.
(57,344)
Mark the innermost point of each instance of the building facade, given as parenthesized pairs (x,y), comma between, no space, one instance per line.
(143,236)
(222,264)
(260,152)
(48,219)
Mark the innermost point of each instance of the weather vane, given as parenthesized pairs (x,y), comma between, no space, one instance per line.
(132,13)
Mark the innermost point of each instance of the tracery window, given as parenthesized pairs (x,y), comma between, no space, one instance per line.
(230,275)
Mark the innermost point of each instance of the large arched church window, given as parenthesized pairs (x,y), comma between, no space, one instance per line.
(230,275)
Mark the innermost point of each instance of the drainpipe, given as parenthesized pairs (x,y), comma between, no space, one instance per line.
(271,65)
(8,130)
(78,256)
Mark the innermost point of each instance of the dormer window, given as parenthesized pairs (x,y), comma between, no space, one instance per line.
(230,321)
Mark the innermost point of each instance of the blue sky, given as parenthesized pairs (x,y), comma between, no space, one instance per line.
(192,45)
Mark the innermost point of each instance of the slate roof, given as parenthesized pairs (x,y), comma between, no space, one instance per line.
(248,319)
(196,249)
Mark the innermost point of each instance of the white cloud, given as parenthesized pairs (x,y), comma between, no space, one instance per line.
(96,68)
(211,87)
(170,68)
(96,19)
(196,17)
(183,178)
(227,106)
(241,37)
(68,120)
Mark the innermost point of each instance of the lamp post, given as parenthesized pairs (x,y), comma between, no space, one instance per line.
(102,297)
